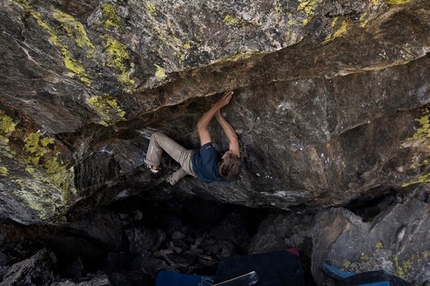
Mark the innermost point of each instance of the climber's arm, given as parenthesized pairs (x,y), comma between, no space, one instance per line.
(203,123)
(229,132)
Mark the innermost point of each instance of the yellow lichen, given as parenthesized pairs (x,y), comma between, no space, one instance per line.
(187,46)
(407,266)
(365,258)
(111,18)
(24,3)
(36,148)
(279,13)
(423,132)
(47,183)
(346,264)
(151,8)
(75,67)
(229,20)
(39,194)
(70,62)
(363,19)
(293,20)
(425,178)
(45,174)
(278,9)
(338,29)
(398,2)
(117,57)
(308,7)
(399,271)
(46,141)
(342,29)
(6,123)
(108,108)
(290,37)
(179,54)
(160,73)
(117,52)
(60,176)
(32,142)
(4,171)
(75,30)
(235,58)
(379,245)
(421,141)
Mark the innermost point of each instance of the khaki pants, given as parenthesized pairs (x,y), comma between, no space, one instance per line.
(159,142)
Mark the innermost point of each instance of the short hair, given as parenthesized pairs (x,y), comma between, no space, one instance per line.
(229,167)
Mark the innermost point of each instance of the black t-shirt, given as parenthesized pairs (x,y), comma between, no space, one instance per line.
(205,163)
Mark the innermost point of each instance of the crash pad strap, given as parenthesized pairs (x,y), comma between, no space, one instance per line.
(177,279)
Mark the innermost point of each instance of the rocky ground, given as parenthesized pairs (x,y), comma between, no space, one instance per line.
(131,241)
(317,85)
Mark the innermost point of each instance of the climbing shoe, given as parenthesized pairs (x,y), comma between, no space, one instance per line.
(153,169)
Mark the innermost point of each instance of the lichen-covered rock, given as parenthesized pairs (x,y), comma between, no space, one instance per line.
(396,240)
(330,98)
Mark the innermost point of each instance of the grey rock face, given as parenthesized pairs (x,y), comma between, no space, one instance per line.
(38,269)
(396,240)
(101,280)
(142,239)
(330,99)
(282,231)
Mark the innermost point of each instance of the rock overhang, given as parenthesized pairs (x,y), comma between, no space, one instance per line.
(317,85)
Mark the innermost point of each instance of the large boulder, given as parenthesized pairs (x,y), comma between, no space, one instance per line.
(329,101)
(396,240)
(36,270)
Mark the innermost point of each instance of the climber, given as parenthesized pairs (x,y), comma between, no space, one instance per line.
(206,163)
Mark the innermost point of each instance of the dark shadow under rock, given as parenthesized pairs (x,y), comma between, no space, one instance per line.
(143,239)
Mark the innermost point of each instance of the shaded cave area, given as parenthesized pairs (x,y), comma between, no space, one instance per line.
(152,226)
(332,121)
(130,241)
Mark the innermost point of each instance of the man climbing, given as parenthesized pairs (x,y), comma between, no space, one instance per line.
(206,164)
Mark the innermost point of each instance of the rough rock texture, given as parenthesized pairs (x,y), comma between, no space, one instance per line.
(389,233)
(36,270)
(282,230)
(90,256)
(101,280)
(396,240)
(330,99)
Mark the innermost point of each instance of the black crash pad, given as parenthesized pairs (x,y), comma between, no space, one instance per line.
(278,268)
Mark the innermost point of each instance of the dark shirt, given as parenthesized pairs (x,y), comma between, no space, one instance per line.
(205,163)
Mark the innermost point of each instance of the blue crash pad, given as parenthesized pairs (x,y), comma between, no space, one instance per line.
(176,279)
